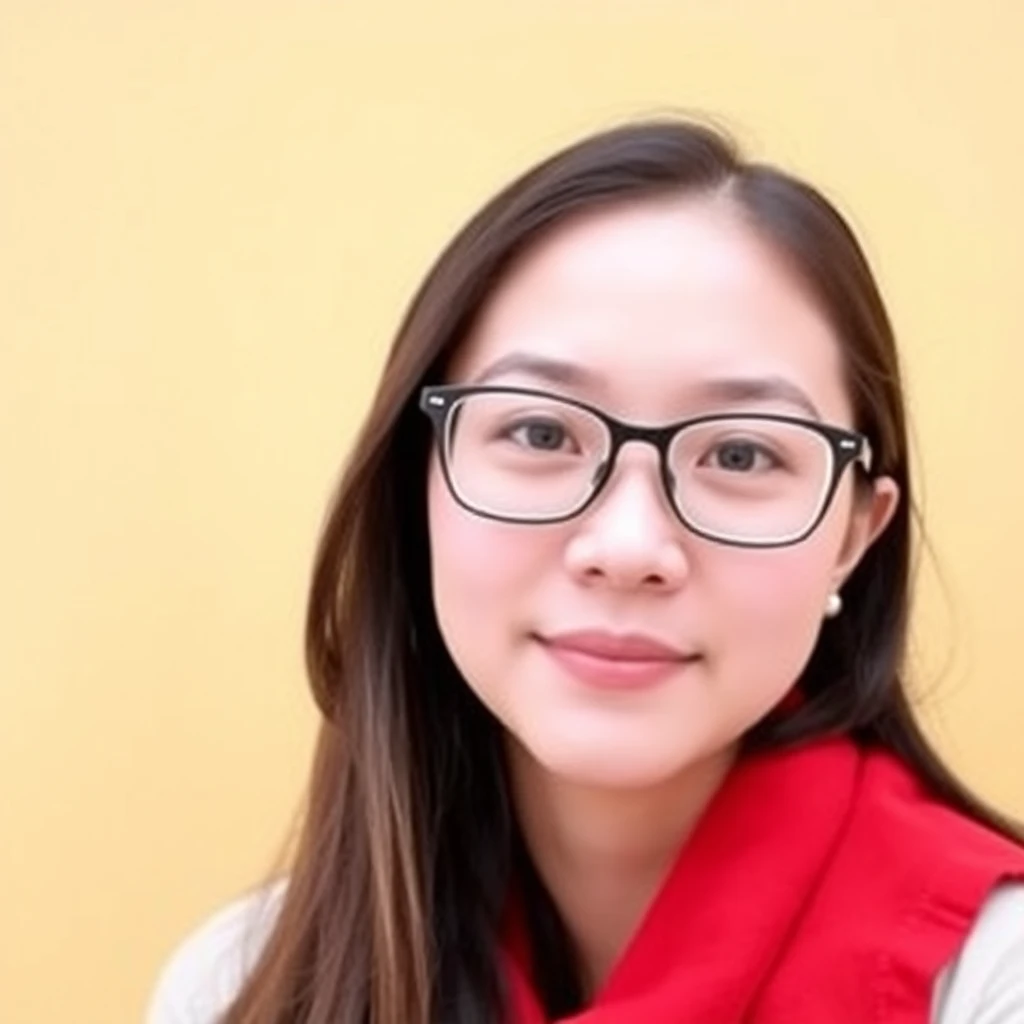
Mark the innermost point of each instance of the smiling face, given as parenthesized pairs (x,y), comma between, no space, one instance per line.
(618,648)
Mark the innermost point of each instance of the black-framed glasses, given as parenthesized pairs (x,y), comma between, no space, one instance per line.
(528,456)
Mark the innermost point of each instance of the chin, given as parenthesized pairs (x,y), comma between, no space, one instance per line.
(611,765)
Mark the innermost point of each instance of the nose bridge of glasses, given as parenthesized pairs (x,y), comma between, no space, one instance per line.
(623,434)
(627,435)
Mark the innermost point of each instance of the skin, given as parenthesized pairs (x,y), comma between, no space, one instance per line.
(652,303)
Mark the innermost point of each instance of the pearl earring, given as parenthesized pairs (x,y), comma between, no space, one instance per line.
(833,606)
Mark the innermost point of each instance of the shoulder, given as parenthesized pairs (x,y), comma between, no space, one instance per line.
(205,973)
(921,838)
(985,983)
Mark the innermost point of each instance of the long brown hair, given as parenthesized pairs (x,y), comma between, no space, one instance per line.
(392,909)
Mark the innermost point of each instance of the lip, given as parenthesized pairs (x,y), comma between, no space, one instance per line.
(615,646)
(615,660)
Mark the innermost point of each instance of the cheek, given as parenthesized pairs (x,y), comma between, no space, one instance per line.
(780,589)
(483,575)
(771,606)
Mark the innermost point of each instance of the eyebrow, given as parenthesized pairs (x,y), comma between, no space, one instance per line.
(736,390)
(724,390)
(552,371)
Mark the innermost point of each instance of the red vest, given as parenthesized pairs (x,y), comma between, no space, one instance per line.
(821,886)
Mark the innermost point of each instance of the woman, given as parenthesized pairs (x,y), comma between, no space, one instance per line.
(607,626)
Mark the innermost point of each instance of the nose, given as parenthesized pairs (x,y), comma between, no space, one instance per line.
(630,538)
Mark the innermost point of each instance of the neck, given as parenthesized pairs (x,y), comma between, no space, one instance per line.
(603,853)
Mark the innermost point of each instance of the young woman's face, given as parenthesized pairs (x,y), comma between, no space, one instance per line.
(619,648)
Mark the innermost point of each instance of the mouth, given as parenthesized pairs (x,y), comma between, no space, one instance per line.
(615,660)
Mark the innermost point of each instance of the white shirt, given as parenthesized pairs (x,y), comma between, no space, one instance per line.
(984,984)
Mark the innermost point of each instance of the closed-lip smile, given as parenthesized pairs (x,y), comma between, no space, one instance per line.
(606,660)
(615,646)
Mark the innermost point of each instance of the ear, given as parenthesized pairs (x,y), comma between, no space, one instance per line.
(872,512)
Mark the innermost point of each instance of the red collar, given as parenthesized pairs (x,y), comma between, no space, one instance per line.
(789,836)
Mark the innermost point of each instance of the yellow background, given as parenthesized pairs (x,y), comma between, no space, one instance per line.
(211,215)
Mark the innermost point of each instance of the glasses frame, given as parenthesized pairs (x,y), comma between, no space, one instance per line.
(848,447)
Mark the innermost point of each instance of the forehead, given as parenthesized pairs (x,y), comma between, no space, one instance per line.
(654,301)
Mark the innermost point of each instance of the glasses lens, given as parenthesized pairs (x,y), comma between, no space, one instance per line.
(750,479)
(523,456)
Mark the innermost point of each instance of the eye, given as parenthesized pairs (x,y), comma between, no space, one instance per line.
(544,435)
(740,456)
